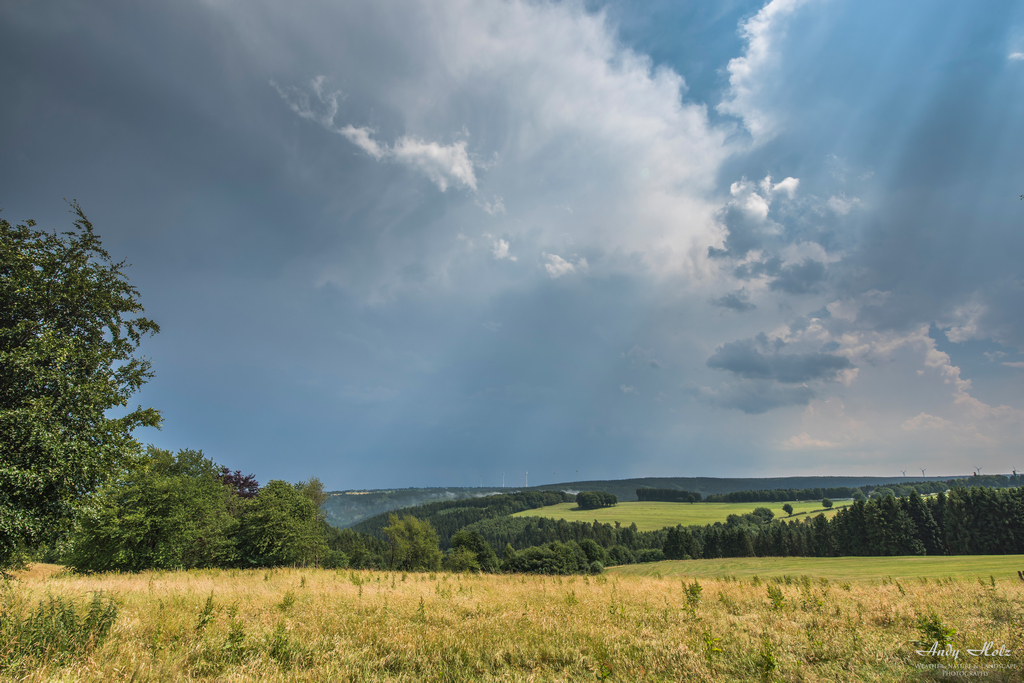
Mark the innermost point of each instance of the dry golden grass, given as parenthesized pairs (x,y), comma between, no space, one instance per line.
(319,625)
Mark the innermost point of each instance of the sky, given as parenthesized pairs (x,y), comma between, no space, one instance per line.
(398,243)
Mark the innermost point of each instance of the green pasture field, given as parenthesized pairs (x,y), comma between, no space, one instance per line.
(1002,567)
(650,516)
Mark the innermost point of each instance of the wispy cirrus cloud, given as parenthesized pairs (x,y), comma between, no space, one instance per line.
(444,165)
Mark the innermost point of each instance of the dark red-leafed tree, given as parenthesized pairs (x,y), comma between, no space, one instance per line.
(245,485)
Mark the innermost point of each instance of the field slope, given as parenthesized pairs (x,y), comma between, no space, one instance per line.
(650,516)
(1002,567)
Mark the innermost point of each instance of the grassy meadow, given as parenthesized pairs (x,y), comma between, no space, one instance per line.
(650,516)
(321,625)
(903,568)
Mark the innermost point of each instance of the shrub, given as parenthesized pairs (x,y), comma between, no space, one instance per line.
(650,555)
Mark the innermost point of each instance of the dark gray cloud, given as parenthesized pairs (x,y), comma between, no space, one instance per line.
(799,278)
(755,398)
(737,301)
(767,267)
(762,359)
(745,233)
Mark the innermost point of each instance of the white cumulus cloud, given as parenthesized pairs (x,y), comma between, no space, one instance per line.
(752,72)
(557,266)
(500,250)
(924,421)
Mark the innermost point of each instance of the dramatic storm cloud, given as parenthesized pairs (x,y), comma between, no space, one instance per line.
(404,243)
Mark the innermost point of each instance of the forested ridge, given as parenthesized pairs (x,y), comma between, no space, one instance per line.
(841,492)
(347,509)
(447,517)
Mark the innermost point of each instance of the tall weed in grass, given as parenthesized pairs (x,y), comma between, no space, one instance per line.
(56,629)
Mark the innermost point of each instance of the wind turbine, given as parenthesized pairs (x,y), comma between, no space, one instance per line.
(904,472)
(977,470)
(922,471)
(527,478)
(502,479)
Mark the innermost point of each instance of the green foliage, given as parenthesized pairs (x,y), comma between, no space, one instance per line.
(710,646)
(826,503)
(358,551)
(619,545)
(767,661)
(413,544)
(55,630)
(461,560)
(206,614)
(932,630)
(668,495)
(287,601)
(68,337)
(694,592)
(592,500)
(281,526)
(174,511)
(234,647)
(552,558)
(788,509)
(280,647)
(449,516)
(473,544)
(170,511)
(777,599)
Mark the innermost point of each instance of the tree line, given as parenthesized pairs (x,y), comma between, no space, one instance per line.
(964,521)
(592,500)
(842,492)
(668,495)
(182,511)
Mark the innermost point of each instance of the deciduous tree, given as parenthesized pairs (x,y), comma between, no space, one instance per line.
(70,326)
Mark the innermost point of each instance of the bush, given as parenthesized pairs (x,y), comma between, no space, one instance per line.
(461,559)
(335,559)
(596,567)
(650,555)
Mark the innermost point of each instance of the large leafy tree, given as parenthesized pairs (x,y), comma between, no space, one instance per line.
(413,544)
(282,526)
(169,512)
(70,326)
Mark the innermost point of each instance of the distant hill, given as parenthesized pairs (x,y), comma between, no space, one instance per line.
(347,508)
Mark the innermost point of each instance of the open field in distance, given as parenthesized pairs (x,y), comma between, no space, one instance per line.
(650,516)
(319,625)
(904,567)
